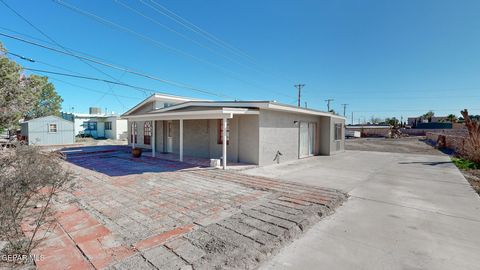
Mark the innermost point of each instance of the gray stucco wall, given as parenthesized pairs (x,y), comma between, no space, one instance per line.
(248,139)
(337,145)
(279,132)
(201,138)
(325,137)
(37,131)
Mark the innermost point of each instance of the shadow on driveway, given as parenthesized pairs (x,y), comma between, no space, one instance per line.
(117,161)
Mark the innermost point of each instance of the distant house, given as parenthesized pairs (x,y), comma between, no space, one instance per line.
(414,121)
(369,130)
(100,125)
(48,130)
(254,132)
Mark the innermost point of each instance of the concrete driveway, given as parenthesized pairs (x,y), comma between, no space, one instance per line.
(406,211)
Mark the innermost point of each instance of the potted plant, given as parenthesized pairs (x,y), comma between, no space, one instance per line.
(137,152)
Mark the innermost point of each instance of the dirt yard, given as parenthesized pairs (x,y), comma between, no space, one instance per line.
(411,145)
(150,213)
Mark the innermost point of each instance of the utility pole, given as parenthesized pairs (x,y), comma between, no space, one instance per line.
(352,118)
(305,104)
(299,86)
(328,103)
(344,109)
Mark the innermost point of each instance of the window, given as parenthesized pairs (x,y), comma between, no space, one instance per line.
(338,132)
(108,125)
(147,132)
(133,133)
(220,131)
(89,125)
(52,128)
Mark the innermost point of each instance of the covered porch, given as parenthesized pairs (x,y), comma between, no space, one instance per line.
(198,135)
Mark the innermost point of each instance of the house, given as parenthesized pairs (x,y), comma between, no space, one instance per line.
(48,130)
(254,132)
(414,121)
(100,125)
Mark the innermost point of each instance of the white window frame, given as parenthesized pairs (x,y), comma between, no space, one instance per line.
(50,129)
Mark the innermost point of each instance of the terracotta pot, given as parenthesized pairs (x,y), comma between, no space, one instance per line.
(137,152)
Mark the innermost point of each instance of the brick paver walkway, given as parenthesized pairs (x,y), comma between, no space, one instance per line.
(153,214)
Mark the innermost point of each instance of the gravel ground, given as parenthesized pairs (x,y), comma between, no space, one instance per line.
(411,145)
(473,177)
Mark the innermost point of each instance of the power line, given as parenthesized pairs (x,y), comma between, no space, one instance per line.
(107,22)
(115,66)
(189,25)
(62,68)
(147,38)
(90,89)
(136,11)
(212,38)
(90,78)
(58,44)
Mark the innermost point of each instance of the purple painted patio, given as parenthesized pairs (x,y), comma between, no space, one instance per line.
(115,160)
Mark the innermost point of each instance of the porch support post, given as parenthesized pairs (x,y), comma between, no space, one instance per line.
(132,134)
(181,139)
(154,147)
(224,143)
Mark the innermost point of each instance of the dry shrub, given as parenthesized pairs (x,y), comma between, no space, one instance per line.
(471,148)
(30,179)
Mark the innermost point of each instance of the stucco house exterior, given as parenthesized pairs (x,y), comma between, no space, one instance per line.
(253,132)
(48,130)
(100,125)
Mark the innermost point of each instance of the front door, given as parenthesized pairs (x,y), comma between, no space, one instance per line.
(306,142)
(168,136)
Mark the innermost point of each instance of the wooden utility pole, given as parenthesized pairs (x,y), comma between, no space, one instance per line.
(299,87)
(344,109)
(328,103)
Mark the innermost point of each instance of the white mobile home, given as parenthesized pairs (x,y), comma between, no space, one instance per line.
(98,125)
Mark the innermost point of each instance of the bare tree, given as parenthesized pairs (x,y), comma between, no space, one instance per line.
(30,179)
(471,147)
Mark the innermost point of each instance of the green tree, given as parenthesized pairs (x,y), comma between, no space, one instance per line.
(17,98)
(24,97)
(47,101)
(452,118)
(392,121)
(428,115)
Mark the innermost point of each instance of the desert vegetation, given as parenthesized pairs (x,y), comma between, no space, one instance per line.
(30,181)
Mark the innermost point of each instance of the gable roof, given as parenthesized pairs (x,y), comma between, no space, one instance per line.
(159,97)
(265,105)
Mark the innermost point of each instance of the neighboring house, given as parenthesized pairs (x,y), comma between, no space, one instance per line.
(254,132)
(100,125)
(414,121)
(48,130)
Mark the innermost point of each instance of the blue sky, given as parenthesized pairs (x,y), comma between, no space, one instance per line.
(383,58)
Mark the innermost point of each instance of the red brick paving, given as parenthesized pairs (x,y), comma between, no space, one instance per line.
(116,215)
